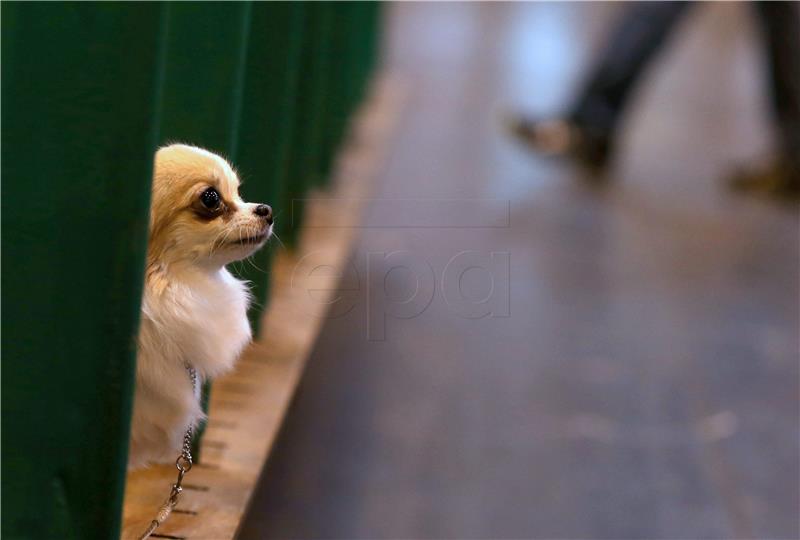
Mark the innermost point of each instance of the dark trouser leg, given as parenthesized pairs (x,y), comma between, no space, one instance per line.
(634,41)
(781,21)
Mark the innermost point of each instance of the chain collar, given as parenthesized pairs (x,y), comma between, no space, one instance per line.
(183,464)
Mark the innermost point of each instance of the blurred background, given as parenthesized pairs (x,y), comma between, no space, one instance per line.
(643,380)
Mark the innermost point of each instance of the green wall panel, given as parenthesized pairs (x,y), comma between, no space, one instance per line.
(79,93)
(340,77)
(272,74)
(340,46)
(352,53)
(203,73)
(308,133)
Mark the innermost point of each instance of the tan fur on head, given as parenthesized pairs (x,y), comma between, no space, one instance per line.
(193,310)
(180,228)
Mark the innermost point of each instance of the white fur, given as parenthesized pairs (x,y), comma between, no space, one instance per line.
(193,310)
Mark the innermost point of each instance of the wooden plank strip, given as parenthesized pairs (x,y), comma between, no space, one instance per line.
(248,405)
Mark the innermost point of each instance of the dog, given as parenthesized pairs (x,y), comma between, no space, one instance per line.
(194,312)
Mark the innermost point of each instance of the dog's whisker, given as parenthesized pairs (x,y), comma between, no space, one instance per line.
(275,235)
(219,241)
(254,265)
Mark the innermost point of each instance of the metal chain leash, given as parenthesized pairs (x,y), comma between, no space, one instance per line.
(183,464)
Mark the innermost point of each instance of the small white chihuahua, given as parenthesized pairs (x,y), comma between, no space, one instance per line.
(194,312)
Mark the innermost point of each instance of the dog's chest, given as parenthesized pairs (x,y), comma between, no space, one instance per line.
(205,316)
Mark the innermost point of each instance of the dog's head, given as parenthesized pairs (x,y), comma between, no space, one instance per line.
(196,214)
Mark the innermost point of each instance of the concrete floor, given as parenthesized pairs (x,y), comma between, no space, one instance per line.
(637,377)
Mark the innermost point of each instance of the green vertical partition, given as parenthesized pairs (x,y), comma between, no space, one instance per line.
(203,73)
(79,103)
(308,133)
(332,60)
(339,53)
(371,41)
(364,47)
(272,74)
(204,69)
(339,73)
(352,53)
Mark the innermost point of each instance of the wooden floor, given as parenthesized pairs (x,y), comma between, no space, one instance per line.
(644,383)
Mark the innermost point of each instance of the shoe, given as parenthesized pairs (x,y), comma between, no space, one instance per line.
(563,138)
(778,179)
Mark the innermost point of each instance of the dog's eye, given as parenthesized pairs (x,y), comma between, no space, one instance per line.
(210,199)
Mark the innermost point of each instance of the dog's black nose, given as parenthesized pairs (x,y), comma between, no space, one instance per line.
(264,211)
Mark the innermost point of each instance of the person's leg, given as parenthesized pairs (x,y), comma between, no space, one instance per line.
(781,29)
(587,131)
(635,40)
